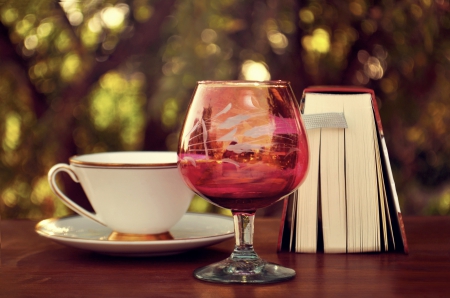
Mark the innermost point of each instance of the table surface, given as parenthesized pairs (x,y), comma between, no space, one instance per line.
(34,266)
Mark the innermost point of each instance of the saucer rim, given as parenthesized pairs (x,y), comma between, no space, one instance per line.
(42,223)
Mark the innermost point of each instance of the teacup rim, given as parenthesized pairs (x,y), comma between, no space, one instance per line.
(98,164)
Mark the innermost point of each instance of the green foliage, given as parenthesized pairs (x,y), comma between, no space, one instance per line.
(89,76)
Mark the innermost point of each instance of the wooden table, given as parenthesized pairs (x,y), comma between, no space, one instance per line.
(33,266)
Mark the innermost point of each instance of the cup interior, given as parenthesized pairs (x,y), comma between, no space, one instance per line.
(127,159)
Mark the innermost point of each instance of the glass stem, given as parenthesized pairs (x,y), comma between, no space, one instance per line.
(243,229)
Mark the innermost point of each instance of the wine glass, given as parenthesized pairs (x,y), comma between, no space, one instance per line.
(243,146)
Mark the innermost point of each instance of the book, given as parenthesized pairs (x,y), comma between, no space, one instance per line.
(348,202)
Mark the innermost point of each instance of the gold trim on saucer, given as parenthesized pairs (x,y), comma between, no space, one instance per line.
(115,236)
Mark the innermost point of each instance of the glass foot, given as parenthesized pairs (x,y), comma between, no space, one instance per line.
(244,271)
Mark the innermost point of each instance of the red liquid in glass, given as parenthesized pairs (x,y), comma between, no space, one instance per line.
(243,148)
(244,186)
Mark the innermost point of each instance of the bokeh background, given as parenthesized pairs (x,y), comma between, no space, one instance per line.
(90,76)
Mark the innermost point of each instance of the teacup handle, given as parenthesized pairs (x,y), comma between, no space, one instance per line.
(62,167)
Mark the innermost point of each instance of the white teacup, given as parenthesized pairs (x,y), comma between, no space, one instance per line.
(131,192)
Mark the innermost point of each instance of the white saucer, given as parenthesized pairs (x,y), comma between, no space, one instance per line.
(192,231)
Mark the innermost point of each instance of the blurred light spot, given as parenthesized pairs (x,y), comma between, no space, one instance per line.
(255,71)
(102,110)
(26,52)
(173,67)
(278,41)
(337,51)
(113,17)
(351,34)
(416,11)
(23,26)
(40,69)
(388,85)
(444,204)
(95,24)
(167,69)
(407,66)
(75,18)
(420,59)
(9,15)
(287,26)
(143,13)
(9,197)
(68,5)
(113,81)
(233,25)
(228,53)
(375,13)
(399,17)
(117,106)
(200,50)
(70,67)
(110,42)
(415,134)
(341,36)
(90,39)
(426,2)
(306,16)
(369,26)
(306,43)
(170,112)
(373,68)
(380,52)
(356,8)
(209,36)
(271,24)
(319,41)
(46,86)
(63,42)
(363,56)
(31,42)
(212,49)
(188,81)
(360,78)
(41,191)
(399,37)
(44,29)
(12,131)
(131,115)
(174,39)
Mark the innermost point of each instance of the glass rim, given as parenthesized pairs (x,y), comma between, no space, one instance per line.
(244,83)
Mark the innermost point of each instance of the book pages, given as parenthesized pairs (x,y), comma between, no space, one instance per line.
(363,222)
(343,177)
(382,198)
(332,181)
(306,231)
